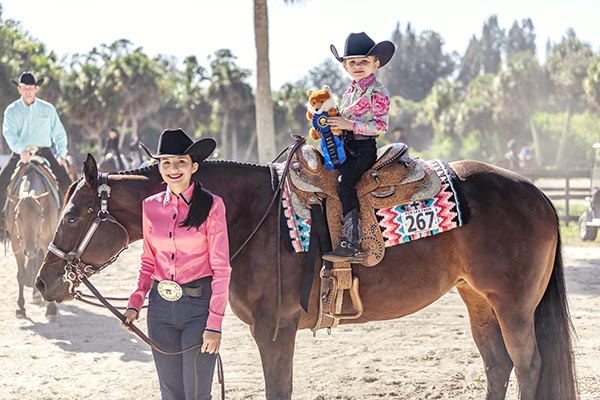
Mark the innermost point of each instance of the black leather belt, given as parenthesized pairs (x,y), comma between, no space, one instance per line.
(192,289)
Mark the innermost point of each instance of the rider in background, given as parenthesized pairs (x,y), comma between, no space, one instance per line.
(30,121)
(112,149)
(511,155)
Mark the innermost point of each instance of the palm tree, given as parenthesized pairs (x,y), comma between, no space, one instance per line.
(230,94)
(265,126)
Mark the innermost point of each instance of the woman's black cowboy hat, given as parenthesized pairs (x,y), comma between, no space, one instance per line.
(27,79)
(175,142)
(361,45)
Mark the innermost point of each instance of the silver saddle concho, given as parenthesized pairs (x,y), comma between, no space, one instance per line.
(169,290)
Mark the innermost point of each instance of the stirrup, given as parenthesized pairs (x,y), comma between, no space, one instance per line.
(345,252)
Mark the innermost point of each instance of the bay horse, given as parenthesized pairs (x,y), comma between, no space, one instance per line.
(506,264)
(112,162)
(31,218)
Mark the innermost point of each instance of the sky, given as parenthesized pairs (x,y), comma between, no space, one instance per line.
(300,32)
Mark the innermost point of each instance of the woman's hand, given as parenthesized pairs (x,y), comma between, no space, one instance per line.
(211,341)
(131,315)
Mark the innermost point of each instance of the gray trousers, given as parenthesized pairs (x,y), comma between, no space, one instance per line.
(175,326)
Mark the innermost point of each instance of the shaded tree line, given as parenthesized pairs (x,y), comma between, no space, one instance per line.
(445,105)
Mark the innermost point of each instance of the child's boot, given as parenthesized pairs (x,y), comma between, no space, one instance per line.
(349,248)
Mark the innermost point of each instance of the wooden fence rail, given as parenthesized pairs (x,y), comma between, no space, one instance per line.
(558,186)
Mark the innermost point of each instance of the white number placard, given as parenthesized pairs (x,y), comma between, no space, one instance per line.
(419,220)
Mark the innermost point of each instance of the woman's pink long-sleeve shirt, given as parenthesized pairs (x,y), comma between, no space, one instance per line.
(184,254)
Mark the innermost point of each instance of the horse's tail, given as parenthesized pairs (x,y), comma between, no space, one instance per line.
(553,331)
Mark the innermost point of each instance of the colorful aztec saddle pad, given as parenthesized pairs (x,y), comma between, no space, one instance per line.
(399,224)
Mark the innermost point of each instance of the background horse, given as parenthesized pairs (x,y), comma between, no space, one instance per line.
(505,263)
(31,219)
(113,162)
(73,167)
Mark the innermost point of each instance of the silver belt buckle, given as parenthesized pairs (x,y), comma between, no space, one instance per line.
(169,290)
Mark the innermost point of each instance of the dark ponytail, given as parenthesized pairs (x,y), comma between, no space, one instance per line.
(202,201)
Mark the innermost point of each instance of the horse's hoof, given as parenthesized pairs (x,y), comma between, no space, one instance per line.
(20,314)
(51,317)
(37,299)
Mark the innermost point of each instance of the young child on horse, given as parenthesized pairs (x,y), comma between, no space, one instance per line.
(185,267)
(364,110)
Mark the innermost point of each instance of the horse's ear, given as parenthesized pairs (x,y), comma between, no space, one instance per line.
(90,170)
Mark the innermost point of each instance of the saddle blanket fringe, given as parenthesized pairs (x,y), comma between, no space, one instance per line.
(298,227)
(401,223)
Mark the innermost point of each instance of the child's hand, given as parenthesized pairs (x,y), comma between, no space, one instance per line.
(341,123)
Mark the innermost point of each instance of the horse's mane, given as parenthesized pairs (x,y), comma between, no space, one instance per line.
(153,169)
(144,171)
(235,163)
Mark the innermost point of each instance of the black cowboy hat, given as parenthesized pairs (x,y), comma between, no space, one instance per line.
(27,79)
(361,45)
(175,142)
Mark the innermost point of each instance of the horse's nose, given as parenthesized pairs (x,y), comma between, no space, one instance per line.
(40,285)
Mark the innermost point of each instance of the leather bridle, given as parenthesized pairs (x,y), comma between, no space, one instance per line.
(76,268)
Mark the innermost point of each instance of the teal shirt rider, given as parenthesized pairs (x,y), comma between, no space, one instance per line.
(37,125)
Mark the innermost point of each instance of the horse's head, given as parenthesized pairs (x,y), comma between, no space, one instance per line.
(87,239)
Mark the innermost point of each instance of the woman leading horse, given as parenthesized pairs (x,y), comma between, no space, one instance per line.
(506,264)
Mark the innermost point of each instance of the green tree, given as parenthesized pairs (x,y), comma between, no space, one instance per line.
(409,123)
(418,63)
(591,83)
(567,64)
(329,73)
(442,107)
(491,45)
(517,92)
(520,38)
(475,114)
(136,82)
(290,104)
(84,96)
(232,98)
(470,64)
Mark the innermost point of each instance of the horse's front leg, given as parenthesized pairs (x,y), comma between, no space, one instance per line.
(20,312)
(277,358)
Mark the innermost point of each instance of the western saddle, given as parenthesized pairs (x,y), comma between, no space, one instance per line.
(394,179)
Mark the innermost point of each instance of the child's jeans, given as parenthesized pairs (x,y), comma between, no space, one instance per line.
(360,156)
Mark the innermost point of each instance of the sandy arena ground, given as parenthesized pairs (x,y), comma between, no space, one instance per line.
(429,355)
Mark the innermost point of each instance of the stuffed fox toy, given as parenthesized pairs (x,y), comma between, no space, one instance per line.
(321,105)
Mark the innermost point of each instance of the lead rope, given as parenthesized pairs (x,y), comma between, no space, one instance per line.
(146,339)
